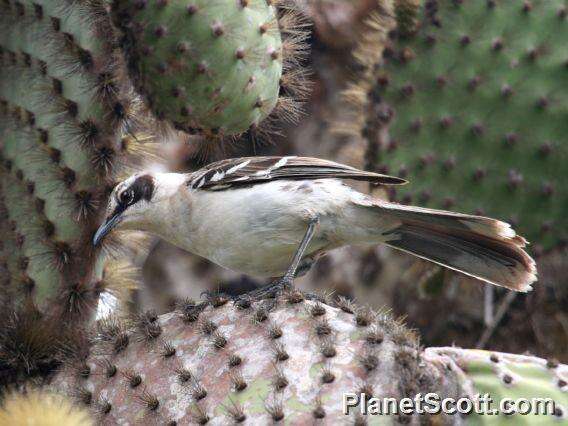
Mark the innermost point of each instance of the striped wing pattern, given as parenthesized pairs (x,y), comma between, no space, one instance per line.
(237,172)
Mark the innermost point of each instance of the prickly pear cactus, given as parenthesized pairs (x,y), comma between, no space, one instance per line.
(63,107)
(517,377)
(475,95)
(209,67)
(287,360)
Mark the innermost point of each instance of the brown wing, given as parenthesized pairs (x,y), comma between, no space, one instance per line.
(237,172)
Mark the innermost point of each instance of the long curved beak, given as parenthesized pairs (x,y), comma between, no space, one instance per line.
(106,227)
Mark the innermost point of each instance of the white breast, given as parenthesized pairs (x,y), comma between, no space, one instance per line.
(256,230)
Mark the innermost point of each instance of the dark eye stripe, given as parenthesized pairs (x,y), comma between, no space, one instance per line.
(141,189)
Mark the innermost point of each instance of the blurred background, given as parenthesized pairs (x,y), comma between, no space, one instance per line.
(467,105)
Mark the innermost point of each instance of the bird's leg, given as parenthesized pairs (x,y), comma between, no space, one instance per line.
(287,280)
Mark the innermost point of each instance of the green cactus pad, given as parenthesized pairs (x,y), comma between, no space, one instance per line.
(516,377)
(478,110)
(209,67)
(63,108)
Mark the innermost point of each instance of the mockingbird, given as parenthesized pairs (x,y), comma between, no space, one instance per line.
(274,216)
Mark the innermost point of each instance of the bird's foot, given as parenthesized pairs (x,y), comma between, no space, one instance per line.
(215,298)
(270,291)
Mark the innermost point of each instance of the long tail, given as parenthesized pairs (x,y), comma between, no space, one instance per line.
(480,247)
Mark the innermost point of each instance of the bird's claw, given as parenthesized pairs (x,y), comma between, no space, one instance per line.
(215,298)
(271,291)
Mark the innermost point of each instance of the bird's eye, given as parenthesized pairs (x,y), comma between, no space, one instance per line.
(126,197)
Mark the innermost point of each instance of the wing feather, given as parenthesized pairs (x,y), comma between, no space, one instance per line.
(237,172)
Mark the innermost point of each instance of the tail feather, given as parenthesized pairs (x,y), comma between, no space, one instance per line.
(478,224)
(477,246)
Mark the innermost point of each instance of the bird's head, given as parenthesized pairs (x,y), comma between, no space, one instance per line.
(133,202)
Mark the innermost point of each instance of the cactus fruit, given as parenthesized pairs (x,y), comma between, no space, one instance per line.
(503,375)
(285,360)
(212,67)
(473,99)
(42,408)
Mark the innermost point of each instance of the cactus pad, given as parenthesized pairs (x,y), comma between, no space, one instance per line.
(476,99)
(63,109)
(210,67)
(503,375)
(285,360)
